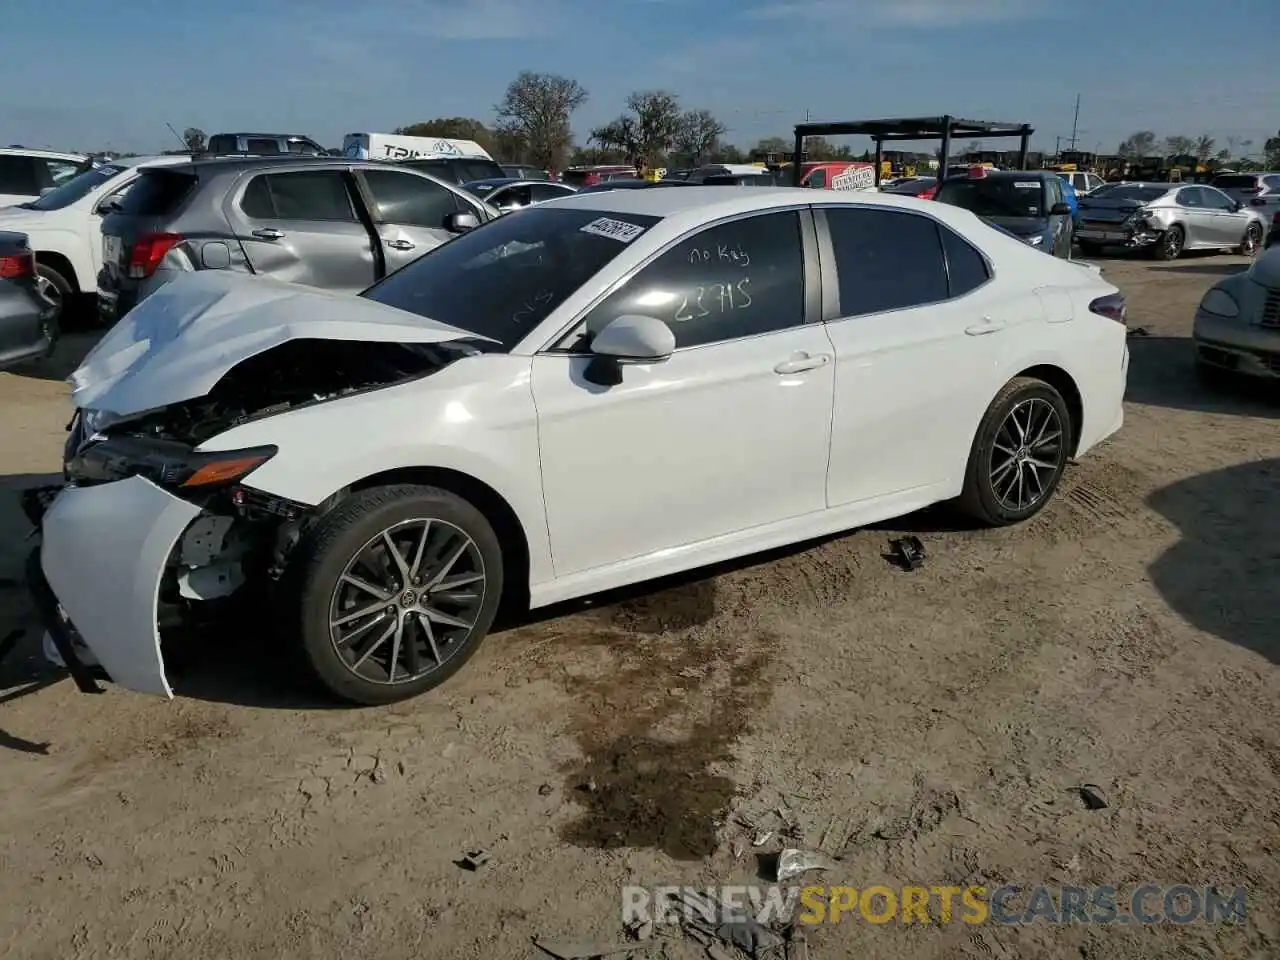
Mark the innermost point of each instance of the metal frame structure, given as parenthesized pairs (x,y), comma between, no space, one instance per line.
(943,128)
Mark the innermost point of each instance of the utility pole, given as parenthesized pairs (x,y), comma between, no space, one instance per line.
(1075,123)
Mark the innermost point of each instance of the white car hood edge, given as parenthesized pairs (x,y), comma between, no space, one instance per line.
(180,341)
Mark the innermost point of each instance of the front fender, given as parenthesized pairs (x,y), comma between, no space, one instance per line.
(72,247)
(475,417)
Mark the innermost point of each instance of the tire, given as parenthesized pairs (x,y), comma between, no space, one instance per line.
(1252,240)
(1170,244)
(982,497)
(318,593)
(1089,249)
(55,287)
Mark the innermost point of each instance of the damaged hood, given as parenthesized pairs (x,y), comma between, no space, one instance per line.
(180,341)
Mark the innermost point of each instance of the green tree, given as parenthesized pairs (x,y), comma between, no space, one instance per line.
(647,131)
(454,128)
(698,135)
(1137,145)
(1272,149)
(1204,147)
(1178,146)
(534,116)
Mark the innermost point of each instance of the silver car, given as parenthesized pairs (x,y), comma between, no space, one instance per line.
(510,194)
(1237,325)
(337,224)
(28,319)
(1164,219)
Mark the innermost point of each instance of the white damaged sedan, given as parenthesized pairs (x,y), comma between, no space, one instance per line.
(605,389)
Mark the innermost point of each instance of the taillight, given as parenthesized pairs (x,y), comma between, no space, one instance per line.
(1276,219)
(1111,306)
(148,251)
(18,265)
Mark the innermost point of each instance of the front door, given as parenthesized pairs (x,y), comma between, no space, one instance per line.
(917,345)
(301,227)
(409,213)
(1226,223)
(731,432)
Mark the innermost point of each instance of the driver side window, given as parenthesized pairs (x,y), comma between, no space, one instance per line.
(738,279)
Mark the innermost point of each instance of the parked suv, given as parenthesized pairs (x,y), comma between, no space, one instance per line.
(1260,190)
(264,144)
(1032,205)
(25,174)
(331,223)
(457,170)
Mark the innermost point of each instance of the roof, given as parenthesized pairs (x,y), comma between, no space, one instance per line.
(696,204)
(50,154)
(159,160)
(922,128)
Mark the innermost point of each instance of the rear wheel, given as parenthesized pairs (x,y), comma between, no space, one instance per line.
(395,591)
(1170,244)
(56,289)
(1090,249)
(1019,454)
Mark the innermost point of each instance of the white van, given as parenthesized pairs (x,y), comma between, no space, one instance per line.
(391,146)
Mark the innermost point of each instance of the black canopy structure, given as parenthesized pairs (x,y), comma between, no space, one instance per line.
(911,128)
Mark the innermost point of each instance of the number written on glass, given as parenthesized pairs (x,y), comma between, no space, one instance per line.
(714,298)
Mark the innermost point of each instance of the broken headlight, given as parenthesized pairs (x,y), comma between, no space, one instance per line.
(168,464)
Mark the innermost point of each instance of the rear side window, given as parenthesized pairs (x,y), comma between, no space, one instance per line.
(966,269)
(543,192)
(18,175)
(468,170)
(886,260)
(156,193)
(262,145)
(412,201)
(304,195)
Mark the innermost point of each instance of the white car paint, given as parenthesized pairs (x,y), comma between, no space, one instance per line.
(74,232)
(181,340)
(715,452)
(75,159)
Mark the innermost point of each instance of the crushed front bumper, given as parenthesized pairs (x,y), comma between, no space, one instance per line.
(96,576)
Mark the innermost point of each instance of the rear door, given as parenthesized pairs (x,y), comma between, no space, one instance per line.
(1197,220)
(409,213)
(301,226)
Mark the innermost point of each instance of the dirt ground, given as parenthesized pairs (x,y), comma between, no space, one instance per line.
(1127,637)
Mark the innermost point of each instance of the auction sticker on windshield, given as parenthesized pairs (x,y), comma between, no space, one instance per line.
(618,230)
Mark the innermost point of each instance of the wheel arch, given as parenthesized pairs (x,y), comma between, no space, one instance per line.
(1065,384)
(61,263)
(506,522)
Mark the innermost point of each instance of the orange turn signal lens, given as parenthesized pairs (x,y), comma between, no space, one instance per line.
(224,471)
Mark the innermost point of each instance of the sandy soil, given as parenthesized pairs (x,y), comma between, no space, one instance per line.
(1127,637)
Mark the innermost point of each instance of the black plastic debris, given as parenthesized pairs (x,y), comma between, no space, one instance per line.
(1091,796)
(906,552)
(1139,332)
(473,860)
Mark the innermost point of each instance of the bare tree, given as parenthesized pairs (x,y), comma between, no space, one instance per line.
(698,135)
(1179,146)
(1137,145)
(1204,147)
(537,107)
(194,138)
(647,131)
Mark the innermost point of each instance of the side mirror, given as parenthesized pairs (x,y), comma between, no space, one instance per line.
(461,222)
(1060,210)
(632,338)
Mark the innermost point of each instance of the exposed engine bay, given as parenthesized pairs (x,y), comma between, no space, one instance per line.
(294,374)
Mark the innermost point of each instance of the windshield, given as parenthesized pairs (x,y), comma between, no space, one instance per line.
(1135,192)
(995,197)
(502,279)
(76,188)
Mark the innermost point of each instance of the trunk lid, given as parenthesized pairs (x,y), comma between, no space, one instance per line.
(1103,210)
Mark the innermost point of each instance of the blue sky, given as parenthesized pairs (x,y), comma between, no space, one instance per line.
(83,74)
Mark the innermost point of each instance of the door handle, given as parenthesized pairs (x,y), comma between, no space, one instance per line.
(268,233)
(986,326)
(802,362)
(399,244)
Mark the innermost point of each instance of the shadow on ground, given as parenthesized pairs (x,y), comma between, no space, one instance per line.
(1162,373)
(1222,575)
(1207,269)
(69,354)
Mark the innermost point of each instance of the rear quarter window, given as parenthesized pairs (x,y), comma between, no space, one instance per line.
(157,193)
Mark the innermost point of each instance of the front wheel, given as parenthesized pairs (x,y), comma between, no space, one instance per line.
(1252,240)
(1019,454)
(1169,245)
(395,590)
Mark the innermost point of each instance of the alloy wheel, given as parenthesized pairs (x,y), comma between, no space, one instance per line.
(407,601)
(1252,240)
(1026,455)
(1172,241)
